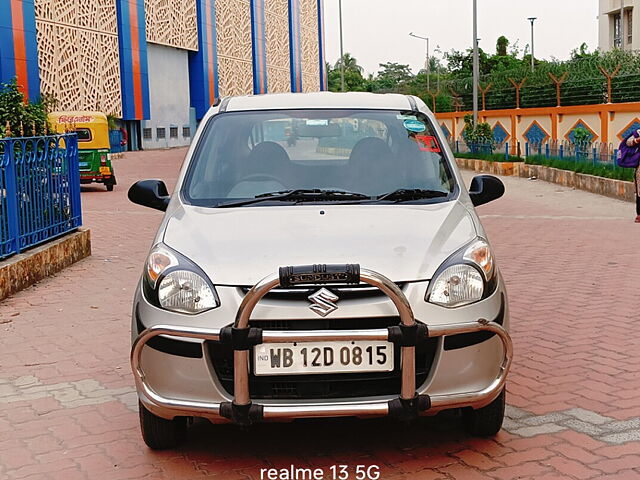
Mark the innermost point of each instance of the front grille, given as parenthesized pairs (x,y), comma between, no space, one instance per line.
(344,292)
(329,386)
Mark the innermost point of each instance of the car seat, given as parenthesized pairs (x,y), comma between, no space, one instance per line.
(266,169)
(374,170)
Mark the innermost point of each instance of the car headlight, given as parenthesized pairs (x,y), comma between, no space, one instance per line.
(465,277)
(174,283)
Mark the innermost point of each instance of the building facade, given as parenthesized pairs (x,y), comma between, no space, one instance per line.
(614,33)
(160,64)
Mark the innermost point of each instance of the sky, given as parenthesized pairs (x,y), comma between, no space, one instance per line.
(377,31)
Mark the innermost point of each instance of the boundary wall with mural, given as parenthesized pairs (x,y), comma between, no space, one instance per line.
(607,123)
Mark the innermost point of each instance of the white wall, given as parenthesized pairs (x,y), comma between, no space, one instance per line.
(609,8)
(169,96)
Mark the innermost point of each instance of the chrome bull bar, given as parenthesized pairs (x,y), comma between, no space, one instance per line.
(243,337)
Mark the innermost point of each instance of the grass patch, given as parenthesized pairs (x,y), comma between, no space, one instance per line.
(492,157)
(605,171)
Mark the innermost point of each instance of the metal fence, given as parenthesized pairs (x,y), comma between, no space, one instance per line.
(594,153)
(39,190)
(482,148)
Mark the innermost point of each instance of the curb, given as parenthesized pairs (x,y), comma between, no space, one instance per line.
(23,270)
(609,187)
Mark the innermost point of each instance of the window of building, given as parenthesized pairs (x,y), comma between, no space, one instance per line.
(173,132)
(147,133)
(617,39)
(629,31)
(186,132)
(161,133)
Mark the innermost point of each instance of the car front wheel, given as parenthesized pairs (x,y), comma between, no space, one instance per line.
(159,433)
(486,421)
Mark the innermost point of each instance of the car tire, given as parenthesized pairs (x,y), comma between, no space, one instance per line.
(109,187)
(485,421)
(159,433)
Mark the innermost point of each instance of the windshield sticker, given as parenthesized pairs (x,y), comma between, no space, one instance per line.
(415,126)
(428,143)
(407,117)
(317,123)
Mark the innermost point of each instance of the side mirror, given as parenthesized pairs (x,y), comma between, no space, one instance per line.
(150,193)
(485,189)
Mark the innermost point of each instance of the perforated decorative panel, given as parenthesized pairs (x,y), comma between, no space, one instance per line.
(172,23)
(235,59)
(277,19)
(310,47)
(78,54)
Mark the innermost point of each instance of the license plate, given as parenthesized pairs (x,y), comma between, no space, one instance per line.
(304,358)
(105,171)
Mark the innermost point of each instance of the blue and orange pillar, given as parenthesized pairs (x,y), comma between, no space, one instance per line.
(323,66)
(134,73)
(203,64)
(295,48)
(18,46)
(259,46)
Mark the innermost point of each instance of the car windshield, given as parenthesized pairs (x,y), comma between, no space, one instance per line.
(335,156)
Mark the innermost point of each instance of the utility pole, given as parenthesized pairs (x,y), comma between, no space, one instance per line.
(428,62)
(533,55)
(341,47)
(476,63)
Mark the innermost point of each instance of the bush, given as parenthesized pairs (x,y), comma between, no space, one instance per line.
(18,113)
(598,170)
(480,133)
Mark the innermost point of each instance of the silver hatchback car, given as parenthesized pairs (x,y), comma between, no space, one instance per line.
(319,257)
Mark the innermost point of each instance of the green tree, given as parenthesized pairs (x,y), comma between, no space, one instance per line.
(391,76)
(353,79)
(350,64)
(501,46)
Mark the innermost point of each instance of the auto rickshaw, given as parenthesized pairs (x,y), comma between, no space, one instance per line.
(93,144)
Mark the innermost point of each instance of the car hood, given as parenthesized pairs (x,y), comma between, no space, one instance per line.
(240,246)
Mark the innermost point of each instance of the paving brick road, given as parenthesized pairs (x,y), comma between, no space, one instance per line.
(571,260)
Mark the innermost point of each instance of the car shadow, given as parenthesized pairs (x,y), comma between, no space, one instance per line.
(323,437)
(97,188)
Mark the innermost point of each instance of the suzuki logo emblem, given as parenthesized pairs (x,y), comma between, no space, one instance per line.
(324,302)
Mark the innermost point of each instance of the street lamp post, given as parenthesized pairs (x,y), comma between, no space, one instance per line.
(533,55)
(341,47)
(428,63)
(476,63)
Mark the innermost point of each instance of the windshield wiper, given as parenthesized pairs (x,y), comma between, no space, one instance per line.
(407,194)
(300,194)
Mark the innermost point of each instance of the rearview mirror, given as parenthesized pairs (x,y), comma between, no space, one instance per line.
(150,193)
(485,189)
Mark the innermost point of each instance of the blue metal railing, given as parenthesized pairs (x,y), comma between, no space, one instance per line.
(594,153)
(39,190)
(115,141)
(483,148)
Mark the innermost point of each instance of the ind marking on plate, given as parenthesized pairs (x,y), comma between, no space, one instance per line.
(323,302)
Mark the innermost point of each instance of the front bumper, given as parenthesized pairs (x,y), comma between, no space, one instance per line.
(241,409)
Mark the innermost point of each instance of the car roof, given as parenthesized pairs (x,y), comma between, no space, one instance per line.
(317,100)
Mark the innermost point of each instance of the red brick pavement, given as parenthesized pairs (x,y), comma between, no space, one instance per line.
(571,261)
